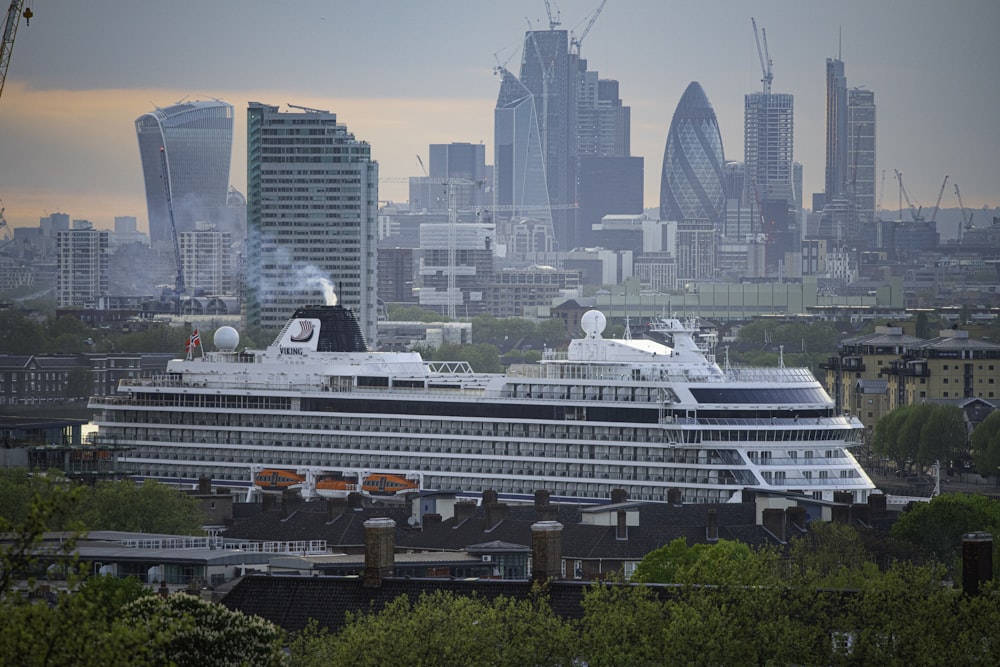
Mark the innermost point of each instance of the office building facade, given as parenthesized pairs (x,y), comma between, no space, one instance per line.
(861,150)
(82,275)
(312,209)
(692,181)
(197,141)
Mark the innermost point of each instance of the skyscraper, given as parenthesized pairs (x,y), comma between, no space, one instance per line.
(691,185)
(519,158)
(312,204)
(861,151)
(836,129)
(197,140)
(82,256)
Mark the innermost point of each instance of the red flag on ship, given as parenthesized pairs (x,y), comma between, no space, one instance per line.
(195,339)
(187,344)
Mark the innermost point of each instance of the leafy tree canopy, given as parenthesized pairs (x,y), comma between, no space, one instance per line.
(938,525)
(986,445)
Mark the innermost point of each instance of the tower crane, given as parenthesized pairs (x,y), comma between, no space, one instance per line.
(937,204)
(576,42)
(765,58)
(914,211)
(179,280)
(553,22)
(14,14)
(966,218)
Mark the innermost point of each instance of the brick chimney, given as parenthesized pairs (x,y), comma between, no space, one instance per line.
(977,561)
(546,550)
(355,500)
(675,497)
(876,506)
(796,516)
(380,545)
(621,532)
(712,525)
(204,486)
(618,496)
(774,522)
(432,519)
(543,508)
(464,510)
(495,514)
(335,507)
(489,497)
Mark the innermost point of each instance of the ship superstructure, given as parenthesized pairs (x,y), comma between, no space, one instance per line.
(632,414)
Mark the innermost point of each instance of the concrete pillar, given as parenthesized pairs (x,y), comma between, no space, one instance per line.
(380,550)
(977,561)
(546,550)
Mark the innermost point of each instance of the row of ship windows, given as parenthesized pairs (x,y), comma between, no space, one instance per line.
(556,430)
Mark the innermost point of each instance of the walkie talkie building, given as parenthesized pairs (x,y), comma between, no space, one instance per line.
(197,138)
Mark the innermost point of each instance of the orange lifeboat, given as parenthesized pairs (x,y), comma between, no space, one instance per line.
(275,481)
(386,484)
(335,487)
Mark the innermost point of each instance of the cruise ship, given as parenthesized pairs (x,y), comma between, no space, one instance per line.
(641,415)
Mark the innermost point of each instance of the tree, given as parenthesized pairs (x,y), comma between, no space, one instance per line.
(186,631)
(152,507)
(986,445)
(400,313)
(922,433)
(942,436)
(622,626)
(443,628)
(725,562)
(938,525)
(830,555)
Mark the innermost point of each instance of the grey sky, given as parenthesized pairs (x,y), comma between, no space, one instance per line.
(404,74)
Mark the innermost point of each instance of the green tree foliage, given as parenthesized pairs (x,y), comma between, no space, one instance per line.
(805,344)
(922,433)
(441,628)
(725,562)
(152,507)
(19,334)
(517,333)
(986,445)
(937,526)
(830,555)
(622,626)
(186,631)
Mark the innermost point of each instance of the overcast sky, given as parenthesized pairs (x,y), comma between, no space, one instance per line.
(403,74)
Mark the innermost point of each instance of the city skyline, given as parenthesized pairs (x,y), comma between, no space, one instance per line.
(405,76)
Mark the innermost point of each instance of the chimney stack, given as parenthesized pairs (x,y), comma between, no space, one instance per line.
(546,550)
(712,525)
(464,510)
(618,496)
(355,500)
(621,533)
(543,507)
(674,497)
(774,522)
(977,561)
(432,519)
(204,486)
(495,514)
(380,545)
(876,506)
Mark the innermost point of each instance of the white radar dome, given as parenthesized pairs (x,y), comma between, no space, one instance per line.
(226,339)
(593,323)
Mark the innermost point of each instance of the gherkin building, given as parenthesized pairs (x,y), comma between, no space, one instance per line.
(691,186)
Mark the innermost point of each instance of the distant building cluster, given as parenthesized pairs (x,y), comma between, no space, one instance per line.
(554,213)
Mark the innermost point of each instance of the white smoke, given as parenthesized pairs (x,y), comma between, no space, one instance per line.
(312,276)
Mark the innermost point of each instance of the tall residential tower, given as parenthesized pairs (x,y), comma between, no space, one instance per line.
(312,208)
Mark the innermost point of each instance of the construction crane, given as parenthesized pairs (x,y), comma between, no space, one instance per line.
(937,204)
(881,191)
(553,22)
(966,217)
(14,14)
(179,280)
(914,211)
(765,58)
(420,161)
(576,42)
